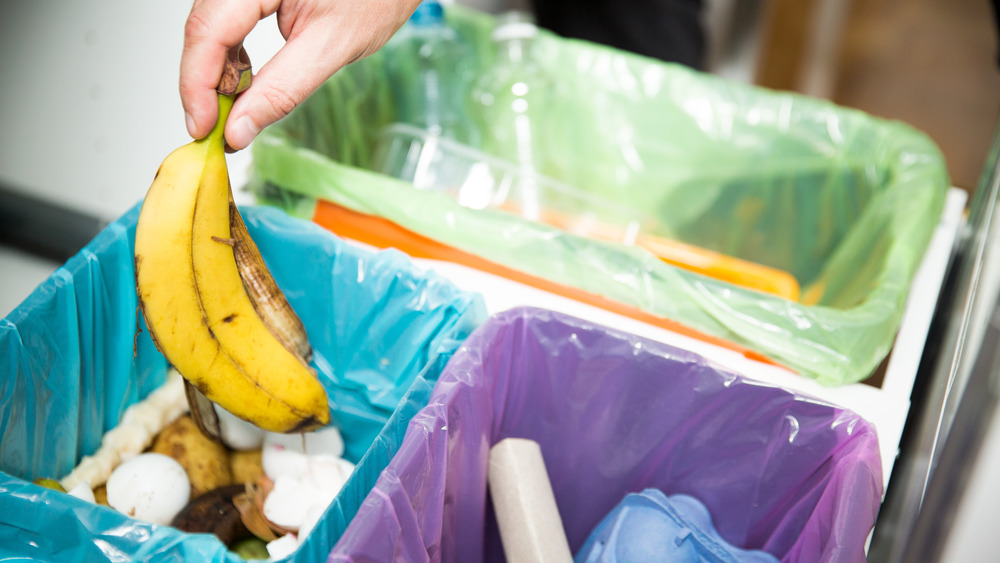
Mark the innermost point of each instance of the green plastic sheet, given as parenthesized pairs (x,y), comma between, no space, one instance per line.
(842,200)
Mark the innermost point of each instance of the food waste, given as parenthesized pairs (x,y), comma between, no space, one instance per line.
(210,304)
(238,441)
(261,493)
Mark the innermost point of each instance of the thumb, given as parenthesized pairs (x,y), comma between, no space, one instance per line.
(295,71)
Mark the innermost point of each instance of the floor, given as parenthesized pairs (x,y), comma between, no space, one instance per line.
(934,65)
(931,64)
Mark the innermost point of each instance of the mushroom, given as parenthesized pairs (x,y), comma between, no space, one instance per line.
(151,487)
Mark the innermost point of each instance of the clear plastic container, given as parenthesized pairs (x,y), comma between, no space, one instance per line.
(843,201)
(510,98)
(481,181)
(438,101)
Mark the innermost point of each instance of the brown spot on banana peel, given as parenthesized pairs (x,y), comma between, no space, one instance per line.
(207,419)
(135,337)
(142,305)
(306,425)
(136,262)
(202,408)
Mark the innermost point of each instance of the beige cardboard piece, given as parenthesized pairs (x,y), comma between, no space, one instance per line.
(530,527)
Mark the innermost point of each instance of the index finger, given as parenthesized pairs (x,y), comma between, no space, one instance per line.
(212,28)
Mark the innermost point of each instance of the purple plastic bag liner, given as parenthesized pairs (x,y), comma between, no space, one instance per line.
(615,413)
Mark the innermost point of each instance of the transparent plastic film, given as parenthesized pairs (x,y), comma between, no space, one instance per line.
(842,202)
(612,413)
(76,355)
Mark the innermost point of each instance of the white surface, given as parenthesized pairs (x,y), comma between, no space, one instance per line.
(20,274)
(90,99)
(886,407)
(973,535)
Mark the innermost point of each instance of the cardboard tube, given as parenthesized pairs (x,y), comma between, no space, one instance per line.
(530,527)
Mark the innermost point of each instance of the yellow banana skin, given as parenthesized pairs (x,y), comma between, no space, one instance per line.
(196,306)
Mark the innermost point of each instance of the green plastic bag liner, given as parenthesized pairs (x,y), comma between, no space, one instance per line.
(843,201)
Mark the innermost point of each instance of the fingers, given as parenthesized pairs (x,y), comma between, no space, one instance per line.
(295,71)
(212,27)
(322,36)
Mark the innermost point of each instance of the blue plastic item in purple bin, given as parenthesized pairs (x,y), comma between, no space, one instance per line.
(650,526)
(615,413)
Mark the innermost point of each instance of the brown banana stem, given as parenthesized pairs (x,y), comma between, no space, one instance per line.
(237,72)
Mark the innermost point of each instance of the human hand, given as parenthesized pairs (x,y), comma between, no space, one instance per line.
(321,37)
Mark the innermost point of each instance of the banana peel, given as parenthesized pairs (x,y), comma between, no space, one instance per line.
(211,306)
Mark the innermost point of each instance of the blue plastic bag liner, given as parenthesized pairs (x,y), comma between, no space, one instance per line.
(72,362)
(650,526)
(843,201)
(615,413)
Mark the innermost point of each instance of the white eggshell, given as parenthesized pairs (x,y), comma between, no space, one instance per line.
(311,518)
(82,492)
(278,460)
(237,433)
(288,501)
(325,441)
(290,442)
(329,474)
(151,487)
(282,547)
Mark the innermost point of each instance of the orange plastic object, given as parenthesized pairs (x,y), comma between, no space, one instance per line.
(382,233)
(724,267)
(713,264)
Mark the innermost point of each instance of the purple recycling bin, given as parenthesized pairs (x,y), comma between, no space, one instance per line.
(615,413)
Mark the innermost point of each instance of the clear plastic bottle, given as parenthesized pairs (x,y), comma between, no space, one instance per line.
(435,97)
(510,100)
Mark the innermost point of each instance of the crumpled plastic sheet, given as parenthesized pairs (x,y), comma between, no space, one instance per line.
(615,413)
(381,330)
(842,200)
(650,526)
